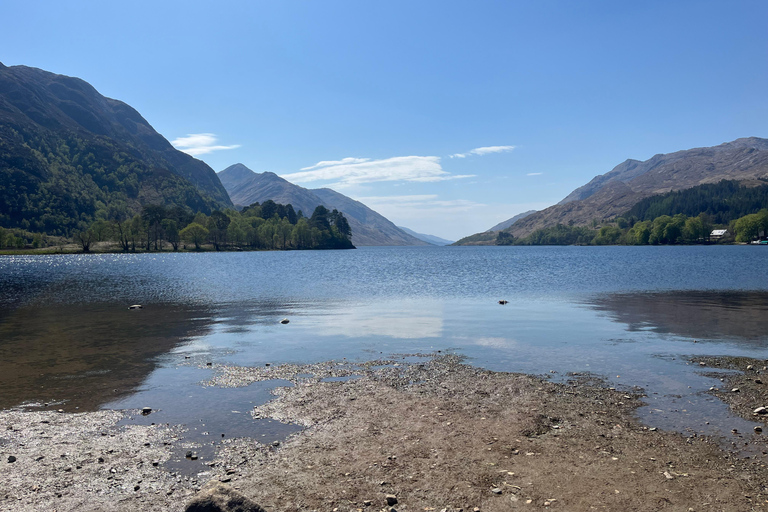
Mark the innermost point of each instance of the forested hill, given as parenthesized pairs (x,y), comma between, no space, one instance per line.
(369,228)
(721,202)
(612,194)
(69,155)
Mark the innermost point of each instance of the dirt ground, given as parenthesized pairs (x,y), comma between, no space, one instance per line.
(432,435)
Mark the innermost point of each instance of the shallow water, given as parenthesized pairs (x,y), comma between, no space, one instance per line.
(628,314)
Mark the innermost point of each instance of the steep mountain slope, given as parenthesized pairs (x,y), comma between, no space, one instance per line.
(430,239)
(66,152)
(612,194)
(509,222)
(368,227)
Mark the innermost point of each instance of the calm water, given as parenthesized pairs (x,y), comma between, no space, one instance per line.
(629,314)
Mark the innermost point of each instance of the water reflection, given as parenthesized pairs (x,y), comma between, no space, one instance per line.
(88,354)
(701,315)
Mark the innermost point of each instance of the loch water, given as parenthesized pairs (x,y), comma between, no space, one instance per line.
(634,316)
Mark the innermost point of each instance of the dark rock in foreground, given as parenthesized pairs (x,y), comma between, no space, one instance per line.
(218,497)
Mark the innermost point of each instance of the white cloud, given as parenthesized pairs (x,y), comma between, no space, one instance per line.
(413,205)
(328,163)
(485,150)
(354,171)
(534,174)
(196,144)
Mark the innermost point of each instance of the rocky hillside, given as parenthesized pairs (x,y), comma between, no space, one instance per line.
(67,152)
(368,227)
(614,193)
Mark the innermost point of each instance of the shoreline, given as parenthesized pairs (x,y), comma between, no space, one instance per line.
(434,432)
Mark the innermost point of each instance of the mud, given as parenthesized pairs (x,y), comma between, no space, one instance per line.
(433,433)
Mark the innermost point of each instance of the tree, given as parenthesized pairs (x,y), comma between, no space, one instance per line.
(171,230)
(85,239)
(504,238)
(195,234)
(217,228)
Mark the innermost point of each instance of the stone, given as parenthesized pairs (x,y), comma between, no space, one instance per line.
(136,306)
(216,496)
(284,321)
(11,458)
(496,490)
(750,367)
(735,390)
(146,410)
(668,476)
(391,499)
(758,381)
(758,428)
(761,410)
(502,302)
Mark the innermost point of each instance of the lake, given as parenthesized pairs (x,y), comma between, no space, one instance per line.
(632,315)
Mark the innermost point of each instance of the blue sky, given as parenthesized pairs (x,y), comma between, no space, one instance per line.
(446,117)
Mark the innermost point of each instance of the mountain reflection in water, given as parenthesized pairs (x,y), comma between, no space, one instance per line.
(88,354)
(701,315)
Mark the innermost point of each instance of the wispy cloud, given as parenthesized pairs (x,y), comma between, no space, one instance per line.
(419,202)
(197,144)
(355,171)
(485,150)
(534,174)
(329,163)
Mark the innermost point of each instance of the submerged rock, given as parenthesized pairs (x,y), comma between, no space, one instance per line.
(218,497)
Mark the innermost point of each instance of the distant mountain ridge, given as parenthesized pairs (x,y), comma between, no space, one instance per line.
(369,228)
(430,239)
(612,194)
(67,151)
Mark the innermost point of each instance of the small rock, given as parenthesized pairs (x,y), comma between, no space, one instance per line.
(155,463)
(758,428)
(136,306)
(391,499)
(668,476)
(496,490)
(502,302)
(735,390)
(284,321)
(702,363)
(146,410)
(11,458)
(218,497)
(750,367)
(275,443)
(367,503)
(761,410)
(136,487)
(60,411)
(758,381)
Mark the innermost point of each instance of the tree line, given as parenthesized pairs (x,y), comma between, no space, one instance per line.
(663,230)
(266,226)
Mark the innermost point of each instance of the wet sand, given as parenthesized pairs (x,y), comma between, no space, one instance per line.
(433,432)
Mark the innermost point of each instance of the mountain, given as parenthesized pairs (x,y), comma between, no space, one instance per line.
(368,227)
(430,239)
(612,194)
(67,152)
(509,222)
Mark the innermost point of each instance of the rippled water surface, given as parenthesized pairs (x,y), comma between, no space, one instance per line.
(628,314)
